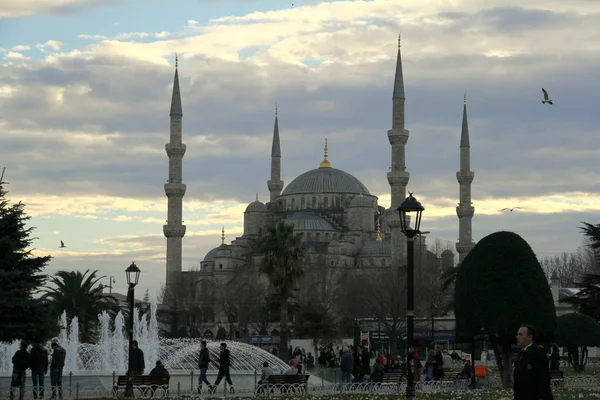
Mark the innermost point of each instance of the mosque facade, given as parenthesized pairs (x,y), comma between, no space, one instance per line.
(341,222)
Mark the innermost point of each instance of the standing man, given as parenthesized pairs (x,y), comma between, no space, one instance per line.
(56,369)
(20,363)
(532,375)
(224,364)
(137,359)
(203,362)
(38,362)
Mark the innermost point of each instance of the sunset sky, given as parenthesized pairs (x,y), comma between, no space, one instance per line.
(85,90)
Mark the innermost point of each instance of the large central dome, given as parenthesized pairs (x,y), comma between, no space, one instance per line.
(325,180)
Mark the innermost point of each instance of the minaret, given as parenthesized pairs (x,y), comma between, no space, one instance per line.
(398,176)
(465,176)
(275,184)
(174,230)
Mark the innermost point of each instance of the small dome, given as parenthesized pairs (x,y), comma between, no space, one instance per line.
(447,252)
(376,248)
(211,255)
(256,206)
(361,201)
(308,222)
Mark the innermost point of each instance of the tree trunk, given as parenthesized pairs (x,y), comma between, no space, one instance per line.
(283,327)
(506,371)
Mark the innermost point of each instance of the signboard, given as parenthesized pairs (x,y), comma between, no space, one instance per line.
(425,334)
(261,339)
(364,335)
(379,337)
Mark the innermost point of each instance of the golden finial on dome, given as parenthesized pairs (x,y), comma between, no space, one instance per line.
(222,235)
(276,109)
(325,163)
(465,99)
(378,231)
(399,38)
(176,61)
(256,197)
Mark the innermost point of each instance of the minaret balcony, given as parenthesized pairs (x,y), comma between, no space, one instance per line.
(398,178)
(463,211)
(393,219)
(397,136)
(274,185)
(175,149)
(174,231)
(175,189)
(464,247)
(465,177)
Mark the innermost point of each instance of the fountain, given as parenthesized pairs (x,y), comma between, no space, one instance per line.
(109,353)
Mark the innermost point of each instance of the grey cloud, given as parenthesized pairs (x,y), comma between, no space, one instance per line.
(10,9)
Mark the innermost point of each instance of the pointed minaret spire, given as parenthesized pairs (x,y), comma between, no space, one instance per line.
(275,184)
(398,177)
(465,176)
(176,110)
(222,235)
(378,231)
(174,230)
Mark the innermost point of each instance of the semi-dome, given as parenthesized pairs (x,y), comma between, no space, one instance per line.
(376,248)
(308,222)
(325,180)
(256,206)
(362,201)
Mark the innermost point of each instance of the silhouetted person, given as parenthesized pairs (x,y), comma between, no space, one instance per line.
(56,369)
(224,364)
(203,362)
(20,363)
(555,358)
(38,362)
(532,374)
(137,359)
(159,370)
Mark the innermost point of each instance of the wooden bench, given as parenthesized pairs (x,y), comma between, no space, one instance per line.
(145,384)
(557,378)
(392,377)
(285,384)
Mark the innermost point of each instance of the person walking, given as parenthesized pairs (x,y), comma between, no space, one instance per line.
(38,362)
(532,373)
(56,369)
(137,359)
(224,364)
(346,365)
(20,363)
(203,362)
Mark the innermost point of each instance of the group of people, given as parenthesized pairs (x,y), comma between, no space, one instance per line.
(224,365)
(36,360)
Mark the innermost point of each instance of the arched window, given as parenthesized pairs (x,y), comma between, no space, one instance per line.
(308,236)
(317,237)
(327,237)
(285,204)
(325,202)
(302,203)
(337,202)
(314,202)
(293,203)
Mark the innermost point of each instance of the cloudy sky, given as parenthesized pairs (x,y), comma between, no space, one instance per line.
(85,90)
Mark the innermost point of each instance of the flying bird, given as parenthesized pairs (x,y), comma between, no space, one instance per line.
(62,245)
(510,209)
(546,98)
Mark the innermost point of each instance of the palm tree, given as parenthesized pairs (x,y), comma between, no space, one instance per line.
(592,233)
(283,264)
(80,295)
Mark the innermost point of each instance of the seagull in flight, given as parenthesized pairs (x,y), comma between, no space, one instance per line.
(510,209)
(62,245)
(546,98)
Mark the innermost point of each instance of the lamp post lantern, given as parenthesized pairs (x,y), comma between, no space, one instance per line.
(409,207)
(133,277)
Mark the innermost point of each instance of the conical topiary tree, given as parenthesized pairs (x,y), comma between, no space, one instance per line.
(576,332)
(499,286)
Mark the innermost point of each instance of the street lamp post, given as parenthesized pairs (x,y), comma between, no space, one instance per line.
(133,276)
(409,207)
(232,320)
(433,307)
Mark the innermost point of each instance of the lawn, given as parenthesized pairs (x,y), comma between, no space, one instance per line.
(482,394)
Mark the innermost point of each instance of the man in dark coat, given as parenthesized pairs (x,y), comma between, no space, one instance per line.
(224,364)
(203,362)
(56,369)
(20,363)
(532,374)
(38,362)
(137,363)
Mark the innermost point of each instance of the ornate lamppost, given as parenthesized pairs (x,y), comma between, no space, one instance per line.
(410,206)
(133,276)
(231,318)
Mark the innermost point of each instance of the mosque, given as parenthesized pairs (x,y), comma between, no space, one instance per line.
(343,225)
